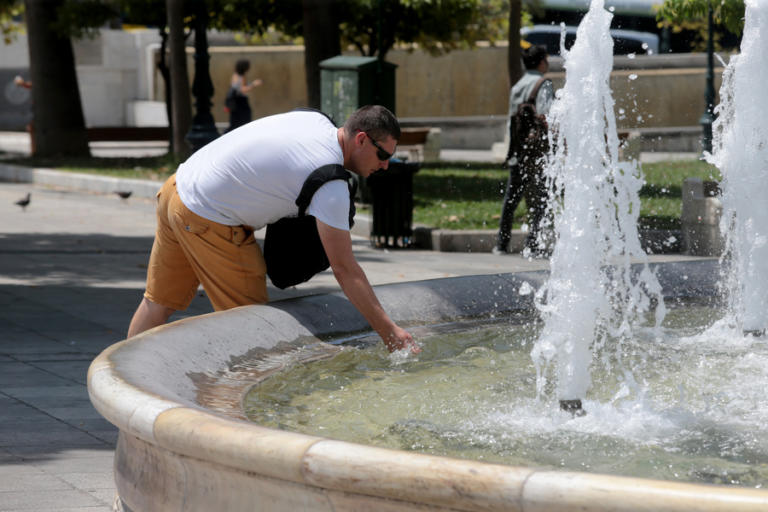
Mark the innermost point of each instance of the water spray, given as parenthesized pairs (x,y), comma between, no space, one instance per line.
(740,151)
(592,294)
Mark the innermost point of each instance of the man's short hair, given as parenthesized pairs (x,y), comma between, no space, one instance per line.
(533,55)
(375,120)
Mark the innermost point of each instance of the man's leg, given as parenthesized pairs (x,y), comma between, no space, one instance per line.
(512,196)
(147,316)
(170,278)
(536,196)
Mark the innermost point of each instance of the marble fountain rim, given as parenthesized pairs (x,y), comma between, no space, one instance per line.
(152,387)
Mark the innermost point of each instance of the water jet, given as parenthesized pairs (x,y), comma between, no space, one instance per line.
(591,294)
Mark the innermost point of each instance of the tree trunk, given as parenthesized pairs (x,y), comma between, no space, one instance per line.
(321,41)
(58,122)
(514,64)
(165,72)
(181,104)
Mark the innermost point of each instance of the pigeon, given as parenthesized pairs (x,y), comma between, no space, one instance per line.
(124,194)
(24,202)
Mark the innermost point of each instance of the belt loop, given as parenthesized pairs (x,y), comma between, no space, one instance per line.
(237,235)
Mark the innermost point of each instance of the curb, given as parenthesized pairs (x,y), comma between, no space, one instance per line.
(78,181)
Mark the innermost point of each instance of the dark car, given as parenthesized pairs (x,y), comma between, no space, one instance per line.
(624,41)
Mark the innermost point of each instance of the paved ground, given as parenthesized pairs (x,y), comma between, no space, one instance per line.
(72,271)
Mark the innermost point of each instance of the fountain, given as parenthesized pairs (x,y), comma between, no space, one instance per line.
(590,294)
(741,124)
(176,394)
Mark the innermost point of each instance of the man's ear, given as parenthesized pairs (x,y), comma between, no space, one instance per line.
(359,138)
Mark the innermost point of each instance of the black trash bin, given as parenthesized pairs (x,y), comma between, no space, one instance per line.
(392,202)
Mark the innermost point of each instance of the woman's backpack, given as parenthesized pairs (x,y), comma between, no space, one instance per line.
(528,131)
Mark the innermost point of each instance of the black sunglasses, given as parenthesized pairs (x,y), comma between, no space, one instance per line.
(381,153)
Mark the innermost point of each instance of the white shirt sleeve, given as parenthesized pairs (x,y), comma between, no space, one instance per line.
(330,204)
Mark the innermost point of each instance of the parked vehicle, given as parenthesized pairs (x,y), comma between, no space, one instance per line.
(624,41)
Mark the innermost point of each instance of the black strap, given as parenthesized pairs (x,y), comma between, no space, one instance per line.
(293,250)
(320,177)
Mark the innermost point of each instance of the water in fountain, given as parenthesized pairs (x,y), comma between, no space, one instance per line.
(698,411)
(591,293)
(740,151)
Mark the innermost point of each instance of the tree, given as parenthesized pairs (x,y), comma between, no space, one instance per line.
(59,125)
(321,41)
(729,13)
(375,26)
(514,66)
(692,15)
(177,81)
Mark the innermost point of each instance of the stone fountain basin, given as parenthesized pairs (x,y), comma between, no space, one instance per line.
(175,393)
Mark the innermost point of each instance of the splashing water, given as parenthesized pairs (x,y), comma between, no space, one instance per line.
(590,294)
(740,151)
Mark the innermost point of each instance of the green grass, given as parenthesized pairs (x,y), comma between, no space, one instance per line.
(150,168)
(459,197)
(449,195)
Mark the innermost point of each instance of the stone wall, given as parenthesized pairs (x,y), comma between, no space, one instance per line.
(661,91)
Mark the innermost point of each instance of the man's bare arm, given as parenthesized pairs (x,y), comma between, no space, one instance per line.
(354,283)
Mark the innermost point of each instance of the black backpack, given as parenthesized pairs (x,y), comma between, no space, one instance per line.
(293,251)
(528,131)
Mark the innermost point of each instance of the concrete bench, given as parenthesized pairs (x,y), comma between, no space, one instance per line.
(419,144)
(128,133)
(700,218)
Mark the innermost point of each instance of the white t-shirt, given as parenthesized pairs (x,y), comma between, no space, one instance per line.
(253,175)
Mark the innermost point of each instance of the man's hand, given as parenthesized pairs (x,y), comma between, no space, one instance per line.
(399,339)
(338,247)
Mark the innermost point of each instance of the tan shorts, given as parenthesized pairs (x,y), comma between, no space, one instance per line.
(190,250)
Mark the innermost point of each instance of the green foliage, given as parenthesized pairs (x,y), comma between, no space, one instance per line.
(145,12)
(257,16)
(10,14)
(729,13)
(83,18)
(436,26)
